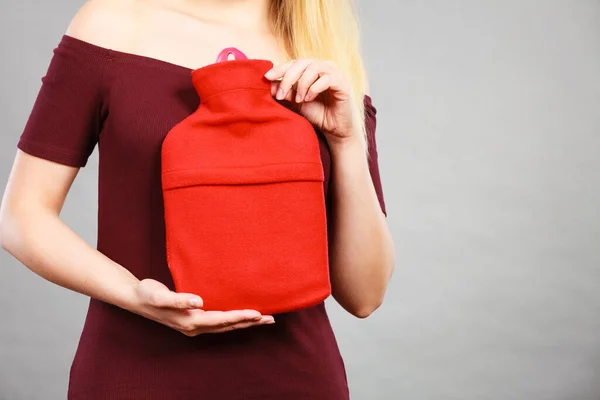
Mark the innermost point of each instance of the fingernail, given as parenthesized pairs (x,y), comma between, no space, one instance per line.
(307,98)
(194,302)
(279,94)
(298,98)
(269,73)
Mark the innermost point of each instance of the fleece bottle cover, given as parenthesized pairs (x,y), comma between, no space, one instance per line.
(242,185)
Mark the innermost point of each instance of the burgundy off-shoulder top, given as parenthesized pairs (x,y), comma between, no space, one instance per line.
(125,104)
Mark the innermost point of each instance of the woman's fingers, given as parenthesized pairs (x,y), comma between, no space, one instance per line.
(304,79)
(289,73)
(216,319)
(290,95)
(312,73)
(168,299)
(278,71)
(182,311)
(291,76)
(156,294)
(195,323)
(243,325)
(318,87)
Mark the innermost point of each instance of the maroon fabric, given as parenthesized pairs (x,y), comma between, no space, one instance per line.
(126,104)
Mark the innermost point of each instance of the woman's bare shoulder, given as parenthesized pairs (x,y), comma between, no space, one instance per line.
(106,23)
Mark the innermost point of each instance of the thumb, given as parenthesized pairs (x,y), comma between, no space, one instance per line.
(183,300)
(161,296)
(274,87)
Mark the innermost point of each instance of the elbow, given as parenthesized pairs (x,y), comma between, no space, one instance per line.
(368,294)
(365,310)
(8,226)
(358,307)
(3,232)
(363,313)
(366,306)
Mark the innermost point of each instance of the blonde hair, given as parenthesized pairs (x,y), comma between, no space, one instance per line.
(328,30)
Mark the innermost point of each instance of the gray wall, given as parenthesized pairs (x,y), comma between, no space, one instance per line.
(489,124)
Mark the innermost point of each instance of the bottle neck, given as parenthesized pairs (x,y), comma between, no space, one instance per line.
(245,105)
(231,77)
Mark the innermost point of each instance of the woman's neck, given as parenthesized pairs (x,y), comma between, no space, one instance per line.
(243,14)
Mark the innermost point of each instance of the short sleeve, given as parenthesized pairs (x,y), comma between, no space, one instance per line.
(370,125)
(66,118)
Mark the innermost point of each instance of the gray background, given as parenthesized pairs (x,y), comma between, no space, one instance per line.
(489,116)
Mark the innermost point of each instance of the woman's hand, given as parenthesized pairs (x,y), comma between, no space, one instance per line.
(182,311)
(320,93)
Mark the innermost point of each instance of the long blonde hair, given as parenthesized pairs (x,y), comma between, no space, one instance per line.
(328,30)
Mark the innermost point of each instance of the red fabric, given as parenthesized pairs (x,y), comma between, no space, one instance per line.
(124,105)
(242,183)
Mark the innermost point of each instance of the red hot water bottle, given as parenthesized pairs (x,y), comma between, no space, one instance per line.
(242,185)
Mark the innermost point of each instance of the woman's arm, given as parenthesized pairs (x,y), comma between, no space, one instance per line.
(61,132)
(361,248)
(31,230)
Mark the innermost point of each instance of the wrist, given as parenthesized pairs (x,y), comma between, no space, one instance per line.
(127,297)
(352,144)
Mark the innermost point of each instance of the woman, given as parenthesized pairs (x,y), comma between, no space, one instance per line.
(120,79)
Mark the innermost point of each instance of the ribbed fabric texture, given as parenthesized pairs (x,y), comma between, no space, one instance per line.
(125,105)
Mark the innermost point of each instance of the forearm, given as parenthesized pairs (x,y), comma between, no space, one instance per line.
(361,248)
(49,248)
